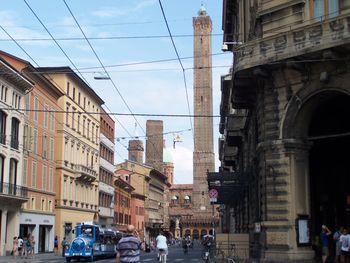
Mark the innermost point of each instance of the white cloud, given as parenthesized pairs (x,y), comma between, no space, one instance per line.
(183,162)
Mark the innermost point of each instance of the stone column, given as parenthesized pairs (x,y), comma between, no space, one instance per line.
(287,197)
(3,232)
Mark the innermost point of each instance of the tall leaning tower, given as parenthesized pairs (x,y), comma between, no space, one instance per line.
(203,155)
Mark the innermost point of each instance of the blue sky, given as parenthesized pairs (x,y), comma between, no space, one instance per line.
(154,88)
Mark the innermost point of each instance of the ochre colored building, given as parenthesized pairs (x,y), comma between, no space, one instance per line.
(77,151)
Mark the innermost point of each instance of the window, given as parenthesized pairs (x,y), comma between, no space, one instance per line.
(2,127)
(46,116)
(45,146)
(68,89)
(25,172)
(35,141)
(78,123)
(44,178)
(13,172)
(51,179)
(79,98)
(26,137)
(42,204)
(67,110)
(33,203)
(26,101)
(49,208)
(33,174)
(73,93)
(2,163)
(324,8)
(14,133)
(36,109)
(52,119)
(52,149)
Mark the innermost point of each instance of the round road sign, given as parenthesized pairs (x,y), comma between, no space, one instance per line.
(213,193)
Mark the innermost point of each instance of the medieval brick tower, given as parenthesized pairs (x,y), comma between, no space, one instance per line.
(203,155)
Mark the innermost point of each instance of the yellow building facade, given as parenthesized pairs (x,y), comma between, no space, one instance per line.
(77,151)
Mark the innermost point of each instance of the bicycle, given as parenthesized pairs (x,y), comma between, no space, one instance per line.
(162,255)
(207,255)
(233,257)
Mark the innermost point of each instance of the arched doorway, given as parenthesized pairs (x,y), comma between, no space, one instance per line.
(187,232)
(329,169)
(195,234)
(318,118)
(203,232)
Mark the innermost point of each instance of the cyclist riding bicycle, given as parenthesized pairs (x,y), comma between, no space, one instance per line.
(162,246)
(207,242)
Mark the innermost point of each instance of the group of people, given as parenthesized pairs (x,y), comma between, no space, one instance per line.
(341,239)
(23,247)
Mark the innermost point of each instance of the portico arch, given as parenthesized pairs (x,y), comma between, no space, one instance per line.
(316,132)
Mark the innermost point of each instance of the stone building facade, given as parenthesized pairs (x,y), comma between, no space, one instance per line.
(13,194)
(37,216)
(284,127)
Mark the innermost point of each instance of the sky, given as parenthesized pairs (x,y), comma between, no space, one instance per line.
(130,38)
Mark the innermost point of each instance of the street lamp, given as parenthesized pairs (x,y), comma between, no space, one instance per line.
(224,46)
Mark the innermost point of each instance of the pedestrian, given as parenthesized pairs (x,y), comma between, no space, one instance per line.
(20,247)
(324,242)
(55,246)
(64,244)
(14,247)
(32,243)
(336,238)
(344,241)
(129,247)
(28,246)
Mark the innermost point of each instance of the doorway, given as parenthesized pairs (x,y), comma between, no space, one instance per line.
(329,133)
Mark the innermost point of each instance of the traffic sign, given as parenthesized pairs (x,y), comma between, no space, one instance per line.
(213,193)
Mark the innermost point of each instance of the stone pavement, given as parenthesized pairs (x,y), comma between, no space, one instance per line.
(38,258)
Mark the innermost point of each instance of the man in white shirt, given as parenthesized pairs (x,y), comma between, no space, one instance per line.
(345,244)
(161,244)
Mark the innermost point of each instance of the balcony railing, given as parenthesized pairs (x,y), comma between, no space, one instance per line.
(85,172)
(13,190)
(14,143)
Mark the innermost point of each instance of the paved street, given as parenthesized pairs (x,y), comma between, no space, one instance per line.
(175,255)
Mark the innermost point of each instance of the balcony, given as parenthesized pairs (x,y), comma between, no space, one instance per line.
(85,173)
(13,191)
(296,41)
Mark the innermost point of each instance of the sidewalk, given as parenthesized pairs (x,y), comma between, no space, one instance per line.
(38,257)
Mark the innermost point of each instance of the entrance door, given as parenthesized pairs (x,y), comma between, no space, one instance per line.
(329,132)
(42,239)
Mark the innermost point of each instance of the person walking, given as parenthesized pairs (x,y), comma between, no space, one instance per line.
(14,247)
(28,247)
(162,245)
(344,241)
(336,238)
(32,243)
(55,246)
(64,244)
(129,247)
(20,247)
(324,242)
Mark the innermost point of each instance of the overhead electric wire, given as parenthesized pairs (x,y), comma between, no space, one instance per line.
(178,57)
(102,65)
(100,38)
(121,114)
